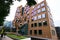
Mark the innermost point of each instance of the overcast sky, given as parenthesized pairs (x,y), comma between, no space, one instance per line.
(53,4)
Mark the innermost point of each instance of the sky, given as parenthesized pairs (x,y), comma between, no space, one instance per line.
(53,4)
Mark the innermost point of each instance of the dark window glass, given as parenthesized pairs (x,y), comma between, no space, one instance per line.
(35,24)
(30,31)
(45,23)
(40,24)
(31,25)
(28,21)
(32,20)
(35,31)
(40,32)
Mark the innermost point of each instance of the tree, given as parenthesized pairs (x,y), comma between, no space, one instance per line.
(30,2)
(4,9)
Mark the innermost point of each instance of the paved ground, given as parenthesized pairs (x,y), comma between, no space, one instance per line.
(5,38)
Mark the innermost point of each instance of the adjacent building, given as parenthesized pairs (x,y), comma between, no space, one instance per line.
(39,20)
(58,32)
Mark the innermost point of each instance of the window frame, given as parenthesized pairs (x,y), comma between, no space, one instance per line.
(43,9)
(44,23)
(43,15)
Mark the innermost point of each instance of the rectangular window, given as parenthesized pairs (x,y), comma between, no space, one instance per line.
(30,31)
(34,13)
(32,19)
(38,6)
(53,32)
(18,10)
(40,32)
(31,25)
(42,4)
(28,17)
(35,24)
(34,9)
(35,18)
(39,11)
(40,24)
(45,23)
(43,9)
(35,31)
(39,16)
(43,15)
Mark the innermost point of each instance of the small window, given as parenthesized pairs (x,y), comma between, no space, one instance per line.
(20,24)
(34,9)
(40,24)
(38,6)
(35,31)
(18,10)
(34,13)
(39,16)
(25,19)
(40,32)
(28,17)
(42,4)
(32,19)
(39,11)
(43,9)
(30,31)
(45,23)
(53,32)
(31,25)
(35,18)
(43,15)
(17,20)
(35,24)
(28,21)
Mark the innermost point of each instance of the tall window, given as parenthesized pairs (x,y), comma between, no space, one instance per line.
(18,10)
(45,23)
(34,13)
(43,15)
(28,17)
(35,18)
(39,11)
(43,9)
(42,4)
(34,9)
(35,24)
(53,32)
(32,19)
(31,25)
(35,31)
(40,24)
(38,6)
(39,16)
(30,31)
(40,32)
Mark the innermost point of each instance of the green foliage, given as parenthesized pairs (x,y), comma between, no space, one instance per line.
(15,36)
(30,2)
(4,9)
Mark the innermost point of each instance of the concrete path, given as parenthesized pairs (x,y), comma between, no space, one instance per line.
(5,38)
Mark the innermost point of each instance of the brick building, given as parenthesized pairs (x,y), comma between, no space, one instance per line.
(39,20)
